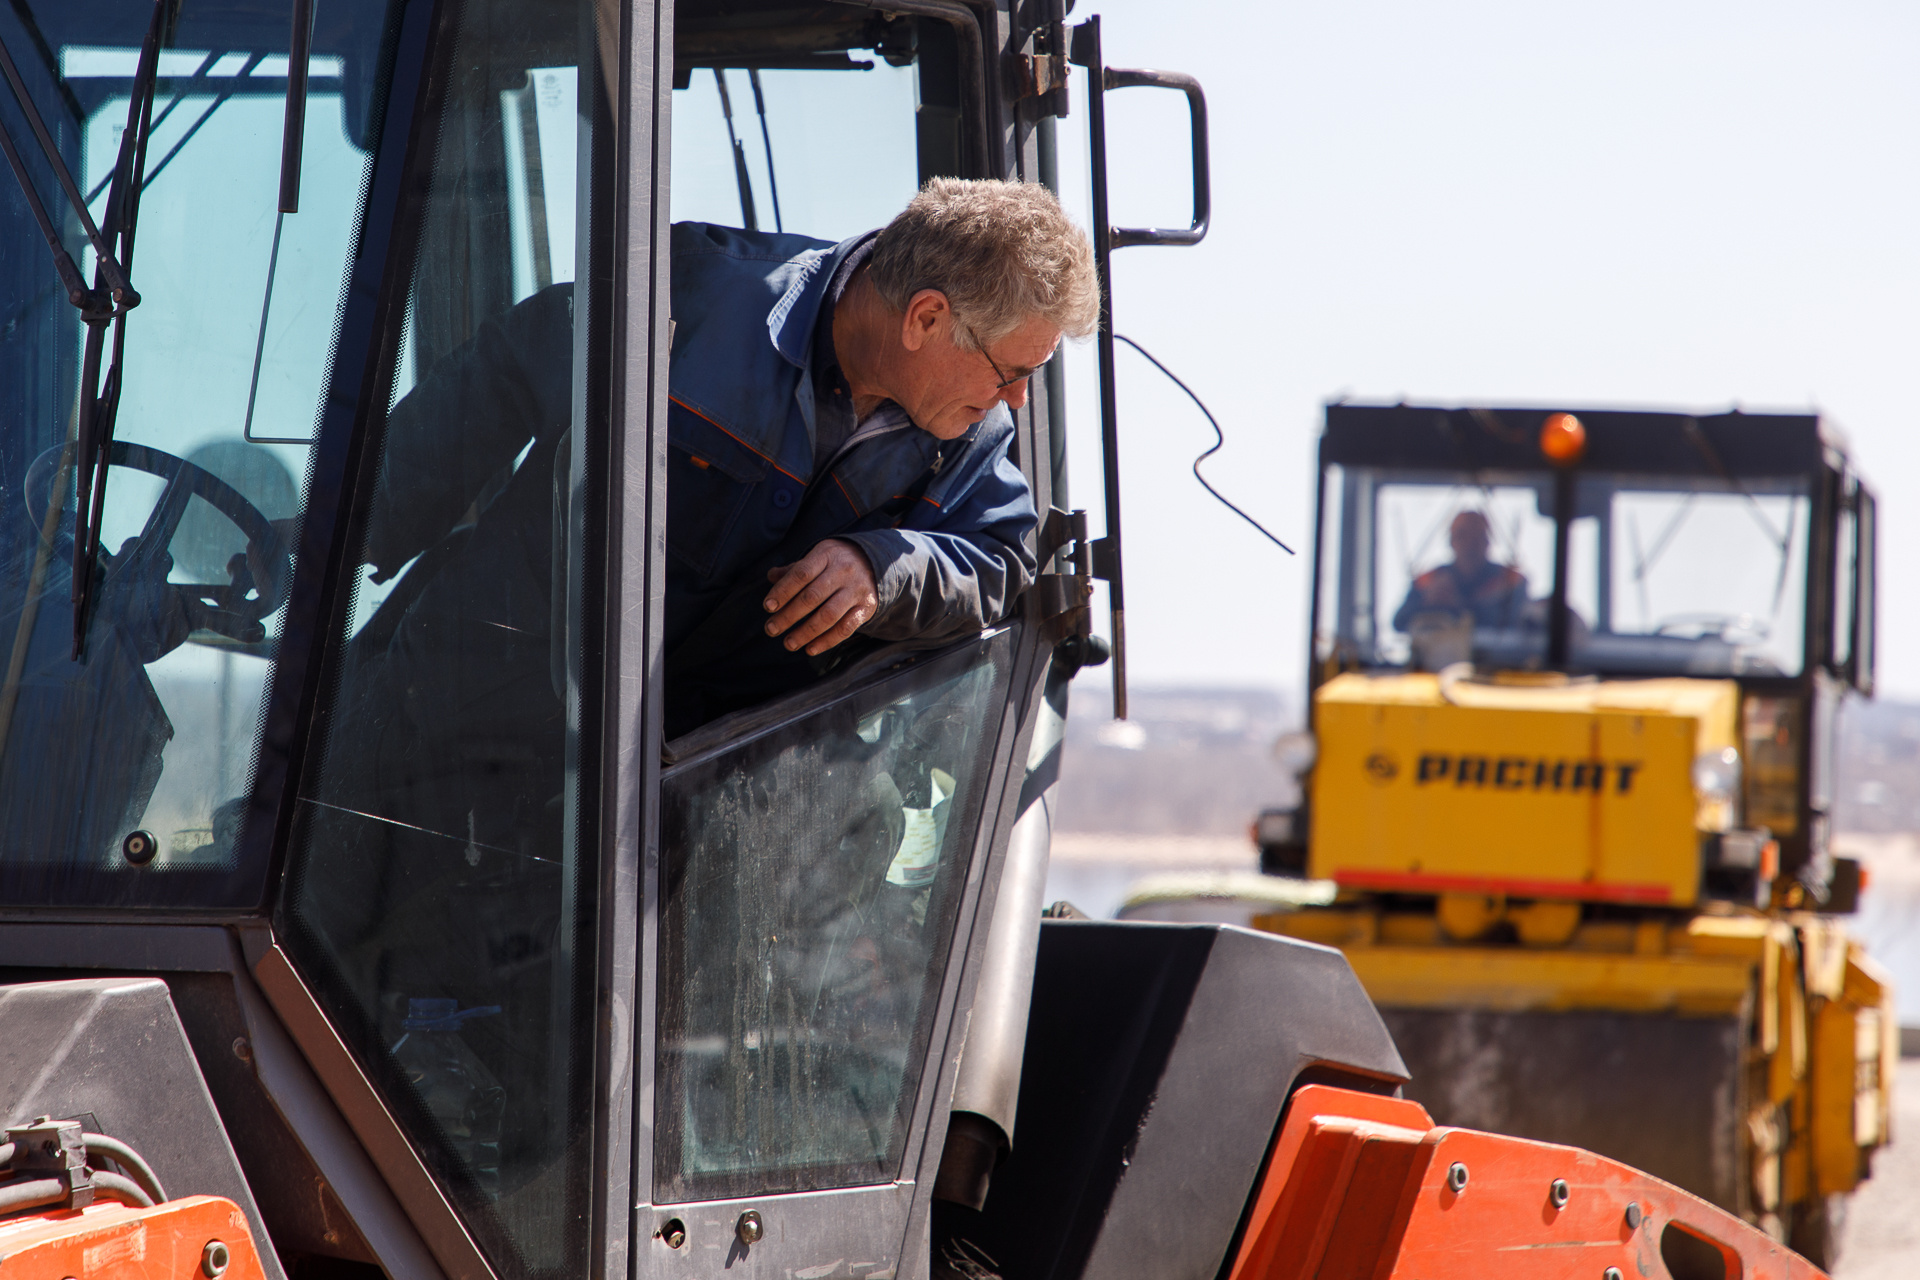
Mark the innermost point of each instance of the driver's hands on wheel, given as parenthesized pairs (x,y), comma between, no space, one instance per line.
(822,598)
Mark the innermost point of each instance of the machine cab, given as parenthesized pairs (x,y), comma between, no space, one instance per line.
(1627,554)
(332,552)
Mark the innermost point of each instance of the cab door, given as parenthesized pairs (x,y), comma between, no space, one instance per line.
(827,864)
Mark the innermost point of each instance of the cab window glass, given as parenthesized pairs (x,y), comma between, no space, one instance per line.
(1846,573)
(1430,570)
(145,741)
(1865,643)
(1702,578)
(761,129)
(437,871)
(809,884)
(764,149)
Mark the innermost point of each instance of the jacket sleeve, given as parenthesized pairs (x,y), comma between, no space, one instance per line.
(466,421)
(957,567)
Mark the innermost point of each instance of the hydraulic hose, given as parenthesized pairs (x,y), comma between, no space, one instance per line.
(99,1144)
(123,1189)
(15,1196)
(141,1189)
(38,1193)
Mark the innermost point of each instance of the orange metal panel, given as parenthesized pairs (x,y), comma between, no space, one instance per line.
(1364,1188)
(1260,1252)
(110,1241)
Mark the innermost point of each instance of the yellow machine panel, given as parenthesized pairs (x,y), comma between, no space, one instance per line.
(1578,792)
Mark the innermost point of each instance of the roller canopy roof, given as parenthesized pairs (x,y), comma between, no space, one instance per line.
(1507,439)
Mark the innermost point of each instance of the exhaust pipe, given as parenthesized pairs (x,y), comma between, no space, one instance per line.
(986,1092)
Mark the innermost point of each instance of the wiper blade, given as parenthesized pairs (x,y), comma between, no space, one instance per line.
(766,139)
(740,178)
(120,296)
(100,398)
(294,123)
(106,303)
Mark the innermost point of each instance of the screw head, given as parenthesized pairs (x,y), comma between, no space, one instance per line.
(1559,1193)
(1611,1273)
(673,1234)
(214,1259)
(1633,1215)
(242,1050)
(1456,1177)
(748,1228)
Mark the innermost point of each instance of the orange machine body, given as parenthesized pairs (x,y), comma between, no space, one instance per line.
(112,1241)
(1361,1187)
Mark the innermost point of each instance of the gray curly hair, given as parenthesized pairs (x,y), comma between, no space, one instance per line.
(1002,252)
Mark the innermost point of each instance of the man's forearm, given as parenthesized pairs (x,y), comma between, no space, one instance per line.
(933,585)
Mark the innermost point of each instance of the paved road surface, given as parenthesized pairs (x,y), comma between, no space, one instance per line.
(1882,1235)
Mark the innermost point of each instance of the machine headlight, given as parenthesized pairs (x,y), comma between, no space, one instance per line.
(1716,776)
(1296,751)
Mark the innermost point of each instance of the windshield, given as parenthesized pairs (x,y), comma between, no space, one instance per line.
(1704,577)
(1665,575)
(122,774)
(1423,569)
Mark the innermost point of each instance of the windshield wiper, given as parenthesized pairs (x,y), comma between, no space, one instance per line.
(103,305)
(740,178)
(766,140)
(91,304)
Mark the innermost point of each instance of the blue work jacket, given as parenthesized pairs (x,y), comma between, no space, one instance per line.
(945,525)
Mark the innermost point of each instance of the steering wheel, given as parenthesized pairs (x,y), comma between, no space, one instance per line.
(1712,626)
(237,608)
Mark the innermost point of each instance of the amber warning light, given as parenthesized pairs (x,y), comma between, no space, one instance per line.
(1563,439)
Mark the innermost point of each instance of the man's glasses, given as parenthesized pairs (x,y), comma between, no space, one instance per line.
(998,372)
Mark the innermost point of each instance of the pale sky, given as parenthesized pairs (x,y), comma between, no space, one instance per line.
(1675,206)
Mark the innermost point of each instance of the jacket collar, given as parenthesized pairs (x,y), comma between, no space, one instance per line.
(790,323)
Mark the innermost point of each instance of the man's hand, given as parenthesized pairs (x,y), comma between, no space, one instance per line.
(822,599)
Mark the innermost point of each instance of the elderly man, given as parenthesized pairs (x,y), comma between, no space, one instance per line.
(1494,595)
(839,432)
(838,463)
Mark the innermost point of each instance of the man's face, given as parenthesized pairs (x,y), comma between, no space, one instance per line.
(945,387)
(1470,542)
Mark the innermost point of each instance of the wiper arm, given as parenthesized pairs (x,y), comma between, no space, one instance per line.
(106,303)
(766,139)
(294,123)
(120,293)
(740,178)
(100,398)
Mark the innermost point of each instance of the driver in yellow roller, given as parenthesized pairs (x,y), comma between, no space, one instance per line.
(1494,595)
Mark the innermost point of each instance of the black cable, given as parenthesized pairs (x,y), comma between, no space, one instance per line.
(1219,442)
